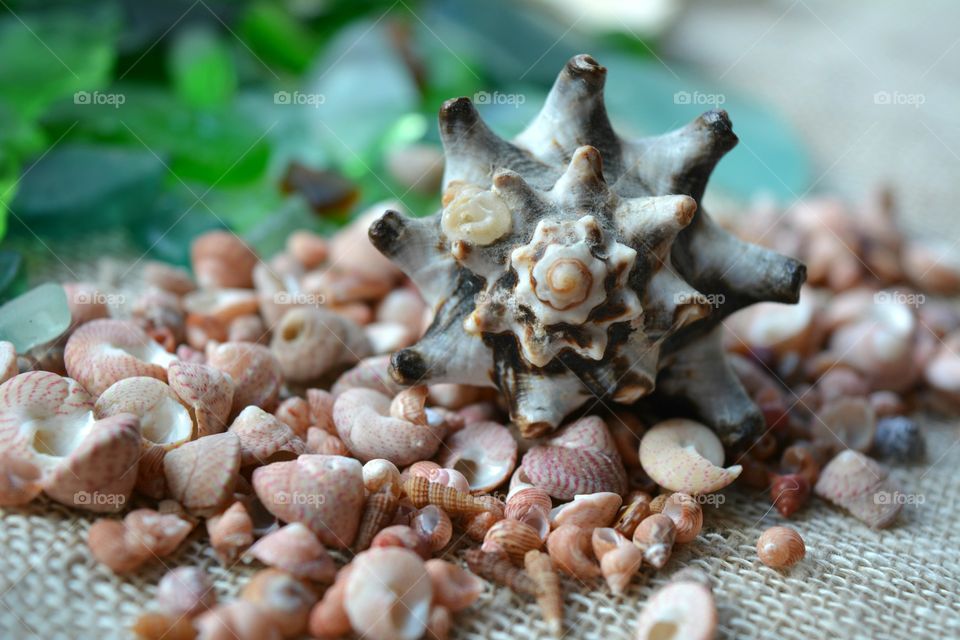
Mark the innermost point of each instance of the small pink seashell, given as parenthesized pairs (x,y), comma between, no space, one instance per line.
(321,409)
(310,342)
(207,391)
(484,452)
(296,550)
(449,478)
(845,423)
(201,474)
(328,619)
(307,248)
(684,609)
(860,485)
(379,472)
(587,511)
(439,623)
(581,458)
(513,538)
(532,506)
(571,549)
(370,373)
(286,600)
(222,306)
(387,337)
(19,481)
(263,438)
(254,370)
(433,525)
(477,525)
(453,587)
(186,591)
(655,536)
(403,536)
(388,594)
(364,423)
(221,259)
(109,545)
(323,492)
(230,533)
(168,277)
(295,413)
(421,469)
(101,352)
(247,328)
(619,558)
(403,306)
(683,455)
(324,443)
(237,620)
(161,533)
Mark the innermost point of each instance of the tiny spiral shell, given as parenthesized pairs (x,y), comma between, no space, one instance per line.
(780,547)
(549,597)
(512,537)
(497,568)
(380,510)
(571,549)
(656,505)
(789,492)
(655,537)
(686,514)
(433,525)
(409,405)
(423,492)
(633,513)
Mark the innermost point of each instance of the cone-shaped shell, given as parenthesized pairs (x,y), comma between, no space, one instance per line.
(422,492)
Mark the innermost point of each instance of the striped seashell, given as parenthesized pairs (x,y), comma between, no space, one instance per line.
(655,537)
(207,391)
(687,516)
(549,594)
(860,485)
(433,525)
(498,568)
(633,513)
(263,438)
(201,474)
(513,538)
(422,492)
(780,547)
(379,512)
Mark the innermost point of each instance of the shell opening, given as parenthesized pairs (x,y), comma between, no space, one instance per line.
(57,437)
(150,352)
(664,630)
(167,422)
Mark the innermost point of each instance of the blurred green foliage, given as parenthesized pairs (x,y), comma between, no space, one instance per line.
(170,118)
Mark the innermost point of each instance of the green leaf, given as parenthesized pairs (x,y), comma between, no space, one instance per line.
(52,55)
(202,67)
(37,317)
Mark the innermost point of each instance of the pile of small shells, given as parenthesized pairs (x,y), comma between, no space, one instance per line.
(253,397)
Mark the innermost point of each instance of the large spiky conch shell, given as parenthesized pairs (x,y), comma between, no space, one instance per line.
(571,264)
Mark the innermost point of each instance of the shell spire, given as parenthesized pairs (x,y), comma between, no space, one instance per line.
(571,264)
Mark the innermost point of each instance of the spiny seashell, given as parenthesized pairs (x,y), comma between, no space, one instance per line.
(263,438)
(636,509)
(328,619)
(285,599)
(110,545)
(237,620)
(686,514)
(201,474)
(330,340)
(206,390)
(680,609)
(19,481)
(351,248)
(845,423)
(449,478)
(378,472)
(789,492)
(513,538)
(655,537)
(365,425)
(780,547)
(161,533)
(370,373)
(683,455)
(186,591)
(8,361)
(221,259)
(549,595)
(433,525)
(103,351)
(230,532)
(453,587)
(401,535)
(296,550)
(571,549)
(323,492)
(485,452)
(860,485)
(388,594)
(324,443)
(254,370)
(476,525)
(581,458)
(168,277)
(379,511)
(165,423)
(900,439)
(619,558)
(562,244)
(587,511)
(154,625)
(498,568)
(307,248)
(422,492)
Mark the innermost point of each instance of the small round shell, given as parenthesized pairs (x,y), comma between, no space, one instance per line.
(263,438)
(619,558)
(237,620)
(254,370)
(221,259)
(655,537)
(19,481)
(283,598)
(683,455)
(588,511)
(485,452)
(206,390)
(780,547)
(433,525)
(680,609)
(388,594)
(230,532)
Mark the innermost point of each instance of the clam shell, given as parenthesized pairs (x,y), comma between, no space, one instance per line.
(296,550)
(263,438)
(323,492)
(683,455)
(201,474)
(580,459)
(388,594)
(207,391)
(484,452)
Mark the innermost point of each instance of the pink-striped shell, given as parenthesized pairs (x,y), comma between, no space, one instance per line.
(296,550)
(484,452)
(103,351)
(369,373)
(860,485)
(254,370)
(323,492)
(263,438)
(207,391)
(580,458)
(683,455)
(201,474)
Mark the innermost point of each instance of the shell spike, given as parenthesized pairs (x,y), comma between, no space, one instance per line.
(470,147)
(412,244)
(582,183)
